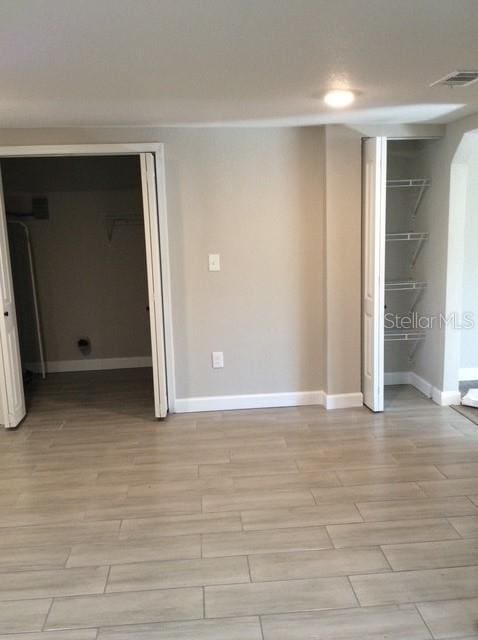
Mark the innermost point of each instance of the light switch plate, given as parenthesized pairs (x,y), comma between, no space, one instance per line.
(214,262)
(217,358)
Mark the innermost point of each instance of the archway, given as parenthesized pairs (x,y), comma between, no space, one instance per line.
(461,340)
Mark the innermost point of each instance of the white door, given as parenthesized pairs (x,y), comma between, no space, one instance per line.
(373,263)
(11,379)
(153,263)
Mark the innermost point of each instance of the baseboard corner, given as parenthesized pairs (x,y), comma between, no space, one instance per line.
(446,398)
(411,378)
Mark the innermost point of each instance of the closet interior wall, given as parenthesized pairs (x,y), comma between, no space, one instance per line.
(406,260)
(91,273)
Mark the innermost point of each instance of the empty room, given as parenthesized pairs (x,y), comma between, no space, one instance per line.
(238,339)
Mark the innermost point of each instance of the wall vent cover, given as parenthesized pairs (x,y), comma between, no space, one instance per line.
(458,79)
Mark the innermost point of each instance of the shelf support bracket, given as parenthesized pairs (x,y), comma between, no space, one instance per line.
(413,350)
(421,193)
(416,300)
(417,252)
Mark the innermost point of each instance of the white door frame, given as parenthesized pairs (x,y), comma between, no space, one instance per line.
(118,149)
(375,269)
(457,216)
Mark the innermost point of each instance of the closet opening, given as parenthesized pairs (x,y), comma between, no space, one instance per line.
(78,233)
(396,232)
(407,233)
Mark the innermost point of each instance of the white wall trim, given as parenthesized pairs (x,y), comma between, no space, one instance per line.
(92,364)
(343,400)
(269,401)
(107,149)
(421,384)
(167,306)
(468,373)
(411,378)
(249,401)
(445,398)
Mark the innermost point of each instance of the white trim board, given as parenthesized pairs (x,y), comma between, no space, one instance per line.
(343,400)
(411,378)
(92,364)
(468,373)
(446,398)
(443,398)
(268,401)
(104,149)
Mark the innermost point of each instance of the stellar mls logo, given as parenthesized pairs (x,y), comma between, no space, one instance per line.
(417,321)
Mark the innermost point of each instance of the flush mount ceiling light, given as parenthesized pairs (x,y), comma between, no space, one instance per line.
(339,98)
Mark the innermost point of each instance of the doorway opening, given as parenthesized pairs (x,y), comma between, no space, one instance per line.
(407,233)
(78,257)
(81,254)
(461,339)
(397,228)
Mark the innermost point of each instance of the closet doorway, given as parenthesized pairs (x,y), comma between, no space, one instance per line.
(396,229)
(81,228)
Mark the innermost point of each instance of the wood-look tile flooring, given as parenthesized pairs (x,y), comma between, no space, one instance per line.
(289,524)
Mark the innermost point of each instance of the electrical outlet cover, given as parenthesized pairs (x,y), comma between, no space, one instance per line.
(217,358)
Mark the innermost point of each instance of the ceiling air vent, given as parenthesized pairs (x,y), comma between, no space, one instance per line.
(458,79)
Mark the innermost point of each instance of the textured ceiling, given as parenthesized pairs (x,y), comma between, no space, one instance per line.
(154,62)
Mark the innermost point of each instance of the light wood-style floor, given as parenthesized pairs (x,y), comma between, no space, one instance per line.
(291,524)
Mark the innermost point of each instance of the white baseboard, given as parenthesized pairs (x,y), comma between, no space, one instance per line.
(468,373)
(443,398)
(91,364)
(411,378)
(268,401)
(343,400)
(249,401)
(421,384)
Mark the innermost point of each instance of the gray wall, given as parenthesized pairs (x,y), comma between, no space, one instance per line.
(434,216)
(87,285)
(404,161)
(327,267)
(436,360)
(342,247)
(257,197)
